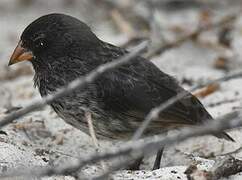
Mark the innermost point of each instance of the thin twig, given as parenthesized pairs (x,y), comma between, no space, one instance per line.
(78,83)
(236,151)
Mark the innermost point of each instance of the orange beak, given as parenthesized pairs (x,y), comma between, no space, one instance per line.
(20,54)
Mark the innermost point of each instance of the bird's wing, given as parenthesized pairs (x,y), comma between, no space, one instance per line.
(134,89)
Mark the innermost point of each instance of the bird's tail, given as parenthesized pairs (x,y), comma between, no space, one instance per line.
(222,135)
(225,136)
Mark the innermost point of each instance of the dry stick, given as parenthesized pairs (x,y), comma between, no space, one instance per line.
(160,49)
(223,168)
(154,113)
(77,83)
(146,146)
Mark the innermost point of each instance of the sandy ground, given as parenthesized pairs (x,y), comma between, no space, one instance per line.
(42,138)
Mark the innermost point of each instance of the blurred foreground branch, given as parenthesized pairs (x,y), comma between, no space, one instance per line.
(146,146)
(77,83)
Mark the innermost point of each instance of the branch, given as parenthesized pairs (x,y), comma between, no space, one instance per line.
(77,83)
(146,146)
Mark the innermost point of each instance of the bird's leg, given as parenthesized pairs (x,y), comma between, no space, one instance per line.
(136,164)
(92,133)
(158,159)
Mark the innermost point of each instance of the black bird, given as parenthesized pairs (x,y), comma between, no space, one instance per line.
(61,48)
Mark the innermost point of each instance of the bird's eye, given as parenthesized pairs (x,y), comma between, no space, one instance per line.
(39,42)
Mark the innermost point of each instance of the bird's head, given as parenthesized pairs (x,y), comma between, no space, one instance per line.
(52,36)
